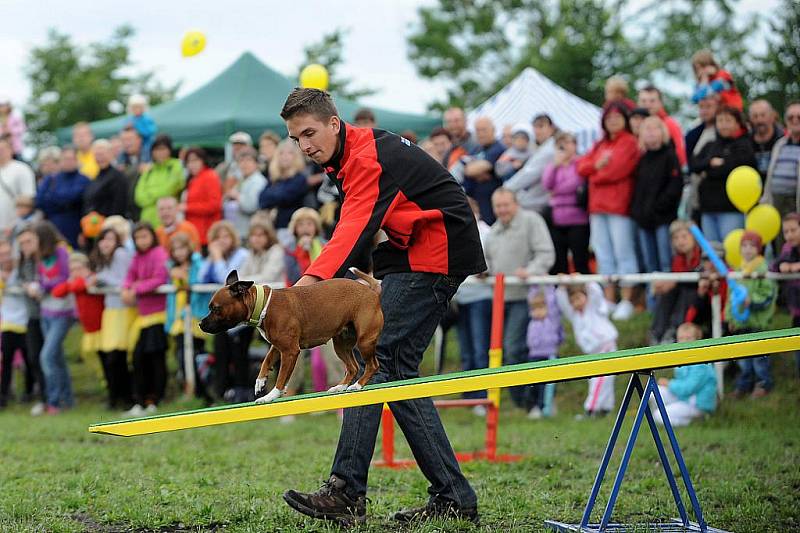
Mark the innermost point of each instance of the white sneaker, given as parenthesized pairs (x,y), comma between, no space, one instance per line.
(623,311)
(135,411)
(479,410)
(151,409)
(535,413)
(37,409)
(288,419)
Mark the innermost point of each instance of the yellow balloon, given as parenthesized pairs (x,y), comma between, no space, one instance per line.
(743,187)
(193,43)
(764,220)
(732,242)
(314,76)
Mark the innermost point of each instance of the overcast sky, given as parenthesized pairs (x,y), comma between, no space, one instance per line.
(375,49)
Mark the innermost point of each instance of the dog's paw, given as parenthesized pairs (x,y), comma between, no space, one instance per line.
(338,388)
(260,384)
(355,386)
(273,395)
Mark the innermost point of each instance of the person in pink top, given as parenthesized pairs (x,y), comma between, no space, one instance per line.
(148,271)
(650,99)
(11,125)
(570,227)
(609,167)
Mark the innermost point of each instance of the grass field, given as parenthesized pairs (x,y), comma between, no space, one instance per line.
(55,476)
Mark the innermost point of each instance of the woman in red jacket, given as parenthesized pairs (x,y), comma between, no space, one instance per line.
(202,204)
(609,167)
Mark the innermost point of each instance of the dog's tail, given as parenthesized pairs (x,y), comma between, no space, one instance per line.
(373,283)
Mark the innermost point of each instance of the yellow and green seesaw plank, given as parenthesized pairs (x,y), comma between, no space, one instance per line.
(565,369)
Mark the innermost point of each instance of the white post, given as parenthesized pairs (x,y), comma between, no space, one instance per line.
(716,333)
(188,352)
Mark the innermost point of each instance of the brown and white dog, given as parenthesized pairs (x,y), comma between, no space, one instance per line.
(291,319)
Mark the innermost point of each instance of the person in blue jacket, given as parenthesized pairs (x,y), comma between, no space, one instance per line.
(60,196)
(287,186)
(692,393)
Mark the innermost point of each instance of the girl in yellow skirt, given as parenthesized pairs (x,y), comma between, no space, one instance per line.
(148,271)
(111,260)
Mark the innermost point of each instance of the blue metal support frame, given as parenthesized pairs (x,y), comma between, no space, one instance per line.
(647,392)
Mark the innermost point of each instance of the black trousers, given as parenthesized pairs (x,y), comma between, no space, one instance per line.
(118,377)
(10,342)
(573,239)
(150,365)
(34,341)
(232,361)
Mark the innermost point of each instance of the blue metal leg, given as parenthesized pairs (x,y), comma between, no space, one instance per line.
(643,411)
(652,385)
(698,512)
(612,499)
(598,480)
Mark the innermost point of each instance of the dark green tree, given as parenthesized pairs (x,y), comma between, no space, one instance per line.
(777,77)
(328,52)
(71,83)
(479,45)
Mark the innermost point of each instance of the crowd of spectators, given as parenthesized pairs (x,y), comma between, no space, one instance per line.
(133,213)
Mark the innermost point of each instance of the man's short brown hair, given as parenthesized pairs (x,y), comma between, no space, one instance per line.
(303,101)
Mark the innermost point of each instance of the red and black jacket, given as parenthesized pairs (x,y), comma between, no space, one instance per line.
(386,182)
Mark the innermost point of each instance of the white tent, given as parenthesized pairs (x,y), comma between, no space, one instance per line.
(530,94)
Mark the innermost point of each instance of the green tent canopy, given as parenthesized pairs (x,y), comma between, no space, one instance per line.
(246,96)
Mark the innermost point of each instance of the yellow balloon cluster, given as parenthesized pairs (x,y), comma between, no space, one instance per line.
(744,190)
(193,43)
(314,76)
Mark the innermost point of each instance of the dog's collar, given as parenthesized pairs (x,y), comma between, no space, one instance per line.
(260,307)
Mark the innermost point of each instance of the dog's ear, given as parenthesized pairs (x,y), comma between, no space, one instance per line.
(232,278)
(240,288)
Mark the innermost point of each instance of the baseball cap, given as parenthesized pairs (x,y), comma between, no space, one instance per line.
(240,137)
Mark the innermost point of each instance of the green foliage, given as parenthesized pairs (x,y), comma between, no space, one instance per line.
(478,46)
(71,83)
(328,53)
(777,76)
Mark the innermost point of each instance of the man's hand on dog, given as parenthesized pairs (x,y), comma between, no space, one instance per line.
(306,280)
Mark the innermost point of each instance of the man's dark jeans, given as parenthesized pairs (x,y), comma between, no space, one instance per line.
(413,304)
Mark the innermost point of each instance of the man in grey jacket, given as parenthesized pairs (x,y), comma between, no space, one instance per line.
(527,182)
(518,244)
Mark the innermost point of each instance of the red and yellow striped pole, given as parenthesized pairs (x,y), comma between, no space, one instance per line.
(496,341)
(495,361)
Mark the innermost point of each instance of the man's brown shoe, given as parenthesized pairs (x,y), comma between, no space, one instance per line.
(330,502)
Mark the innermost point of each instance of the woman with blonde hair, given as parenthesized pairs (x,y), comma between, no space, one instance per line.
(656,194)
(265,264)
(287,184)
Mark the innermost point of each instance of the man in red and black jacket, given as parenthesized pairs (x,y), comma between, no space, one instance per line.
(386,182)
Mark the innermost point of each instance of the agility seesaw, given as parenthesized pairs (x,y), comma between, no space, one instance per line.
(641,362)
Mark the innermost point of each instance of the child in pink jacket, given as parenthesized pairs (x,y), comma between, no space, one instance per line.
(147,272)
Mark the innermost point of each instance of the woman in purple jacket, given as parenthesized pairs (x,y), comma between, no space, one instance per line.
(570,228)
(57,315)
